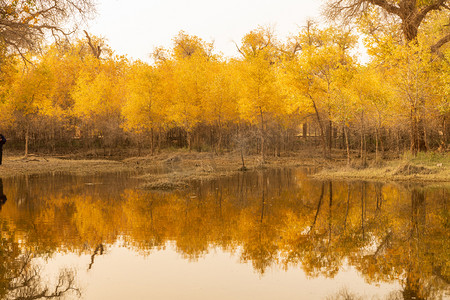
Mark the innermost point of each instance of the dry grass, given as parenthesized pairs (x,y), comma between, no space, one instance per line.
(430,167)
(168,170)
(175,169)
(16,166)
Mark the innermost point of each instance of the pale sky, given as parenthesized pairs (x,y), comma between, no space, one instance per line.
(135,27)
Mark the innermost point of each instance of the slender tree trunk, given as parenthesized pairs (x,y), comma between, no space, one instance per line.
(262,137)
(219,138)
(425,138)
(347,144)
(152,141)
(414,132)
(382,147)
(242,158)
(376,145)
(139,144)
(363,141)
(322,133)
(27,136)
(159,138)
(446,131)
(188,137)
(330,137)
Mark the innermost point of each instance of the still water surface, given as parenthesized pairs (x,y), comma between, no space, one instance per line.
(272,234)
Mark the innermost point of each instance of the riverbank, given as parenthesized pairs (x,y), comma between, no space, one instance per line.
(168,166)
(426,167)
(175,169)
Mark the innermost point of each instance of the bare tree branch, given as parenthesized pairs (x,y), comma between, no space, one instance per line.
(24,24)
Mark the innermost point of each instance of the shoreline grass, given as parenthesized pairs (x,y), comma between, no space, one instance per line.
(425,167)
(171,170)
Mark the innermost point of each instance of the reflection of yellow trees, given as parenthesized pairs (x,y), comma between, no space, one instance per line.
(267,218)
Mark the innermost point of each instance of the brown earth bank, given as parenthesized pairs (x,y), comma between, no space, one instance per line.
(174,169)
(191,165)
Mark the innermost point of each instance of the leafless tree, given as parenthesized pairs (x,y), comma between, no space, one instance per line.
(24,25)
(411,13)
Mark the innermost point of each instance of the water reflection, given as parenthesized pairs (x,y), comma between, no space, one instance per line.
(274,218)
(2,195)
(20,275)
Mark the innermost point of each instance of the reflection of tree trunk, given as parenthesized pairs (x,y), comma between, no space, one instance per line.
(414,288)
(263,204)
(348,206)
(220,202)
(241,190)
(98,251)
(379,195)
(330,216)
(318,208)
(418,214)
(363,208)
(382,245)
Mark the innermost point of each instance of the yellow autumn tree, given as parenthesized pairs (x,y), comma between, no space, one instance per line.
(220,104)
(320,70)
(191,60)
(145,108)
(260,96)
(98,98)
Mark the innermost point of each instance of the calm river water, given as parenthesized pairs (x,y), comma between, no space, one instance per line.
(272,234)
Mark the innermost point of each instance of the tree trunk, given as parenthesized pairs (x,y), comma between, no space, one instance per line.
(322,133)
(330,137)
(159,138)
(376,145)
(414,133)
(188,137)
(347,144)
(152,142)
(27,137)
(363,142)
(219,137)
(262,137)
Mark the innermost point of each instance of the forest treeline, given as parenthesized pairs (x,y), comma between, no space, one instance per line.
(274,96)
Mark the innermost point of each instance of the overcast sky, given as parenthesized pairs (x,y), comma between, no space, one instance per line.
(136,27)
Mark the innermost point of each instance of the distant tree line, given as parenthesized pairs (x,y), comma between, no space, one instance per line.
(277,96)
